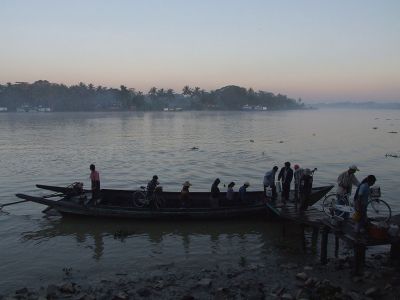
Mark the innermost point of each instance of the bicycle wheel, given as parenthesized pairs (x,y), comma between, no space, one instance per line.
(328,204)
(139,199)
(331,207)
(379,210)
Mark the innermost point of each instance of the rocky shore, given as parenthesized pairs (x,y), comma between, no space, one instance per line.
(380,280)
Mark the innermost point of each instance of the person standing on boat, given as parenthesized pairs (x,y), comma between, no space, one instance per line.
(243,192)
(285,176)
(184,197)
(230,193)
(305,188)
(361,198)
(298,173)
(269,182)
(95,181)
(151,186)
(214,197)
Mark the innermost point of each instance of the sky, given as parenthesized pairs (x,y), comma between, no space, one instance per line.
(320,51)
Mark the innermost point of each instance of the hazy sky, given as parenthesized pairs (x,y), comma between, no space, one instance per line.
(316,50)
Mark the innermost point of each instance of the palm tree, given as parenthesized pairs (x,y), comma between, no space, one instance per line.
(187,91)
(161,92)
(153,92)
(170,93)
(196,91)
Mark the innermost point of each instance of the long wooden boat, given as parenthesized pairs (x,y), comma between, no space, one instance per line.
(119,204)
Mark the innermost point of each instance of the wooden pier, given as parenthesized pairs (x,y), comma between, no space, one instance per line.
(342,230)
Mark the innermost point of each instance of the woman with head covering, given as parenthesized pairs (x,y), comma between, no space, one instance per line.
(243,191)
(230,193)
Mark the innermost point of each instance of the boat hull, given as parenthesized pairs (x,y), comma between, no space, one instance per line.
(118,204)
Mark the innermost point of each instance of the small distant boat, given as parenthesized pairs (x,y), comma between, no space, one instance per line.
(3,109)
(120,204)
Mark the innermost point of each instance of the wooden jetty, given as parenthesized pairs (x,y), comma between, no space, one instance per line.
(342,229)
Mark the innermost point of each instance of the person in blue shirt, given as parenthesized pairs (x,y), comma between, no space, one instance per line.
(361,198)
(242,192)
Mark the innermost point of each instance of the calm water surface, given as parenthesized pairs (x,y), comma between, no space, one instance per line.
(128,148)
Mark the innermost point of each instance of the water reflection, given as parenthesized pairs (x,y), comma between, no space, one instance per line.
(216,237)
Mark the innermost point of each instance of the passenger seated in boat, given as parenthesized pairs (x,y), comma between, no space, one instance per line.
(95,181)
(184,197)
(230,193)
(214,197)
(243,192)
(151,186)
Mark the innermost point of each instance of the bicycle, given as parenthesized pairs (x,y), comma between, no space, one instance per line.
(142,198)
(377,208)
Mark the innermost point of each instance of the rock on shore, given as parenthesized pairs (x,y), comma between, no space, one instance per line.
(288,281)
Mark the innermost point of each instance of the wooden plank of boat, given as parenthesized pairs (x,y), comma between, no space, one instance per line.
(317,193)
(58,189)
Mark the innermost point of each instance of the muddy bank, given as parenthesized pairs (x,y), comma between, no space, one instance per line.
(381,280)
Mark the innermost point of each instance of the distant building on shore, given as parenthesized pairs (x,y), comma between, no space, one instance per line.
(28,108)
(257,107)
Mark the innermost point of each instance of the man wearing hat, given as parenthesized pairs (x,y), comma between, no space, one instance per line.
(345,182)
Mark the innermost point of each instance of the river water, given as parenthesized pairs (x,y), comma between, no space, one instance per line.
(128,148)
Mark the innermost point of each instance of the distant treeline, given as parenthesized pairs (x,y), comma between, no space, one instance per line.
(82,97)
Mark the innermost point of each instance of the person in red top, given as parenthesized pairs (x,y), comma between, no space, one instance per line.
(95,180)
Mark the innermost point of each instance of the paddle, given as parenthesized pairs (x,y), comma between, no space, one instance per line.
(11,203)
(21,201)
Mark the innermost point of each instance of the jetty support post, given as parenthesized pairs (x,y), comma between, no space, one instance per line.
(359,258)
(324,245)
(336,246)
(303,237)
(314,238)
(395,250)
